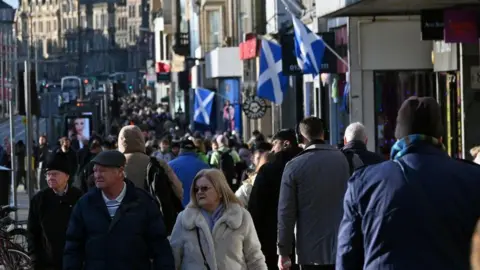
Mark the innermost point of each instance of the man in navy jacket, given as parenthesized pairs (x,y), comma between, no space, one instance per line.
(116,225)
(417,211)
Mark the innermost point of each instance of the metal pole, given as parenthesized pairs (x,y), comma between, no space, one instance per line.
(11,109)
(37,118)
(107,119)
(2,70)
(28,131)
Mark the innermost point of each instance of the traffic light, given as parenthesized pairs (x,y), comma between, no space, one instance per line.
(130,87)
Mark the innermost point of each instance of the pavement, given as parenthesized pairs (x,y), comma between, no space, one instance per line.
(23,203)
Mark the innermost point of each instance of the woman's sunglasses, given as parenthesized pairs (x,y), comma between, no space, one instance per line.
(201,189)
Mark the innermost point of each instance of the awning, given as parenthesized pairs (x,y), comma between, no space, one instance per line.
(394,7)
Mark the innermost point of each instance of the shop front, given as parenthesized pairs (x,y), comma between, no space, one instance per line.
(449,94)
(385,70)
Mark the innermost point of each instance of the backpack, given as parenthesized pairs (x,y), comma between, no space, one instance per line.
(84,179)
(227,165)
(158,185)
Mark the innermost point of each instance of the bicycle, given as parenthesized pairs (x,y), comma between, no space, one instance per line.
(12,255)
(16,229)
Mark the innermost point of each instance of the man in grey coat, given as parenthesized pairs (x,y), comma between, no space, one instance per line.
(311,198)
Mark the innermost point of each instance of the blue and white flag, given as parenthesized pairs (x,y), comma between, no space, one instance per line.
(203,105)
(271,81)
(309,48)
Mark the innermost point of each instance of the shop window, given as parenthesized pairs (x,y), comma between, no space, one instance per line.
(392,88)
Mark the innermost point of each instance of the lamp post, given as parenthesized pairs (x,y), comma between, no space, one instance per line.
(7,15)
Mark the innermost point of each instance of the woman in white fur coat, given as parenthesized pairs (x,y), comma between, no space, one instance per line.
(215,232)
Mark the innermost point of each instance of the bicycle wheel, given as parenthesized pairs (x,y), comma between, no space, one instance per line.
(19,237)
(15,259)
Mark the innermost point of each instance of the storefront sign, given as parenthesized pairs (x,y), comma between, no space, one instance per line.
(432,24)
(460,26)
(249,48)
(289,59)
(254,107)
(445,56)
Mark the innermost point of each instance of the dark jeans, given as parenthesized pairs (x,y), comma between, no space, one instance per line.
(318,267)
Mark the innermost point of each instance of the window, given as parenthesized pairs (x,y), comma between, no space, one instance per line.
(139,11)
(40,27)
(214,23)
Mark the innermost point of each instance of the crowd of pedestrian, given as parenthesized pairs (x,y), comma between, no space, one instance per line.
(150,197)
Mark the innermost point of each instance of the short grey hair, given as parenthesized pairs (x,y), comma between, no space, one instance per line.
(355,132)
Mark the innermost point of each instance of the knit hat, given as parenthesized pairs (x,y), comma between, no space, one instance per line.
(58,162)
(419,115)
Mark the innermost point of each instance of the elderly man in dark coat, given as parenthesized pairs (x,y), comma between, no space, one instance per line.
(116,225)
(49,214)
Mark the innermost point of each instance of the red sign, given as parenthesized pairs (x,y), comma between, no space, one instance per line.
(249,48)
(161,67)
(460,26)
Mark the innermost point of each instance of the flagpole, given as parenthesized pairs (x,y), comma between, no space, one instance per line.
(324,43)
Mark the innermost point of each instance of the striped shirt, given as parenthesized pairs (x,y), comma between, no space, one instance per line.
(112,205)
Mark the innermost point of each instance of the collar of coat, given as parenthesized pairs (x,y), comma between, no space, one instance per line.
(232,217)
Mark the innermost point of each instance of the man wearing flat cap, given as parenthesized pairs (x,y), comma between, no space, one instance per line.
(49,215)
(416,211)
(116,225)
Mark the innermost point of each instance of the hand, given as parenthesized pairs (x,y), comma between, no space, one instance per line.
(284,263)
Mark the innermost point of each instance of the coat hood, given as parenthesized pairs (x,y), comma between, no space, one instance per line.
(131,140)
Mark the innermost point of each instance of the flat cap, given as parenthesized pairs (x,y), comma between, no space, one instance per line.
(110,158)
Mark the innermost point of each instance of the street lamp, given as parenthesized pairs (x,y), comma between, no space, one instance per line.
(7,15)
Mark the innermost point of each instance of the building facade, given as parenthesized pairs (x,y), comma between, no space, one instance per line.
(82,37)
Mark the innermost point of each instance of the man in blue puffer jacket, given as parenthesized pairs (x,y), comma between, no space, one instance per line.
(116,225)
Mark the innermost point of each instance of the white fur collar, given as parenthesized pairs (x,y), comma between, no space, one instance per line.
(232,217)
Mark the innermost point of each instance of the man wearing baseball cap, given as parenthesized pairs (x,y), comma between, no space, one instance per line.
(49,215)
(416,211)
(116,225)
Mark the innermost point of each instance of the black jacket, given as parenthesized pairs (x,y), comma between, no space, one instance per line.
(263,203)
(48,219)
(367,157)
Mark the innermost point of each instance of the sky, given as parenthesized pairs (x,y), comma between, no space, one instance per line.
(13,3)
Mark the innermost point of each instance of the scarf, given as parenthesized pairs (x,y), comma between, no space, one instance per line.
(214,217)
(402,146)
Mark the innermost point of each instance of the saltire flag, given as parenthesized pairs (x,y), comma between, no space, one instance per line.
(203,105)
(272,84)
(309,48)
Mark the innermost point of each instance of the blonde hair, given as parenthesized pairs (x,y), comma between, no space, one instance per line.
(475,151)
(219,183)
